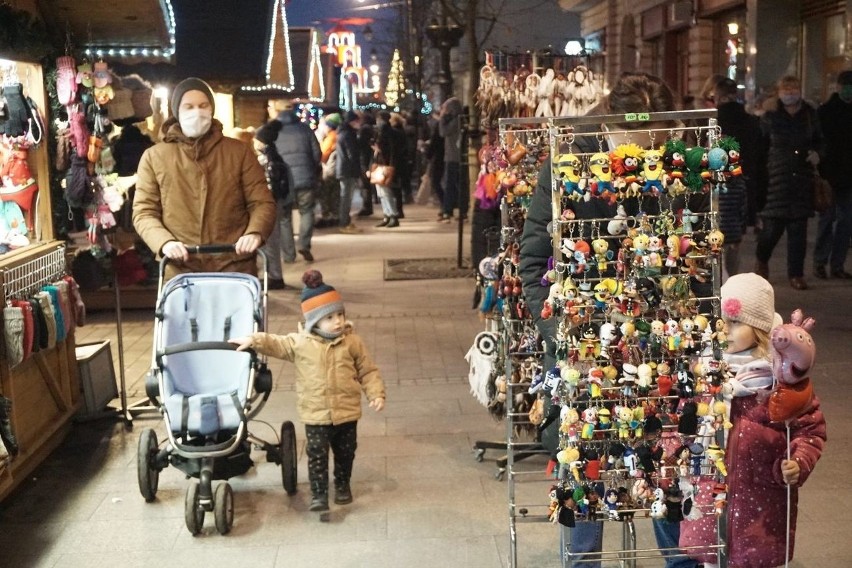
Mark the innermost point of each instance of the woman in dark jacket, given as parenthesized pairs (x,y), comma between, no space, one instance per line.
(794,141)
(387,153)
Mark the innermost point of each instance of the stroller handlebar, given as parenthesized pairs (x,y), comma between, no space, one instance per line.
(209,249)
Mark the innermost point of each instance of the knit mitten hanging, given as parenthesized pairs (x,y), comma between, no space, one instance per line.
(16,123)
(66,80)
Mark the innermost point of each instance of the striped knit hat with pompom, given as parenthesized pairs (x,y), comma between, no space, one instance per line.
(318,299)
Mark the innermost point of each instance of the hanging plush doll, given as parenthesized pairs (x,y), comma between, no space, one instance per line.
(481,357)
(717,163)
(696,169)
(626,160)
(674,163)
(652,170)
(732,147)
(568,170)
(601,170)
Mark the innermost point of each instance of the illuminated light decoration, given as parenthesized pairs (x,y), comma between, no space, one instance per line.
(316,85)
(142,51)
(280,74)
(395,87)
(341,42)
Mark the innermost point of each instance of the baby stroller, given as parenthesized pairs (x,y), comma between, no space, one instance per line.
(207,391)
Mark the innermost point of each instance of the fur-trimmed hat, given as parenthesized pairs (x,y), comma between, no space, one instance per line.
(190,84)
(749,299)
(318,299)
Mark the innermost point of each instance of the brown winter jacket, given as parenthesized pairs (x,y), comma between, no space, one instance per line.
(330,374)
(206,191)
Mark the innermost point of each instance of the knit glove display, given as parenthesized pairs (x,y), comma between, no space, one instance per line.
(66,80)
(16,105)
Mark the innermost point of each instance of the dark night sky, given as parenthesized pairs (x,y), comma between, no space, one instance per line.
(227,39)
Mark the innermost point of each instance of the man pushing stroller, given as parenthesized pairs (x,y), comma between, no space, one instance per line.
(332,368)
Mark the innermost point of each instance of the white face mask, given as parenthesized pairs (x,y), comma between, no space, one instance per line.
(195,122)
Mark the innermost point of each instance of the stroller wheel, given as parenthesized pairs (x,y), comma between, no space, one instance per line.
(223,507)
(288,457)
(147,474)
(193,512)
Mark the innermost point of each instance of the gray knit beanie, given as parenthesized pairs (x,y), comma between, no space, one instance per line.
(190,84)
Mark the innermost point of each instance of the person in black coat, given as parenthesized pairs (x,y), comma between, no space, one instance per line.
(388,152)
(793,139)
(348,168)
(835,225)
(366,137)
(738,205)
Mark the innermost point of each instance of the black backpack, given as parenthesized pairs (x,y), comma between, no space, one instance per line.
(277,173)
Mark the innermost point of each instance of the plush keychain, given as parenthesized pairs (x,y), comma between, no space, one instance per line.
(626,160)
(674,162)
(717,163)
(658,507)
(697,173)
(568,169)
(601,171)
(652,171)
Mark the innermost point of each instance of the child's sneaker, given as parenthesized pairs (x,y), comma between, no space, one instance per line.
(319,502)
(343,495)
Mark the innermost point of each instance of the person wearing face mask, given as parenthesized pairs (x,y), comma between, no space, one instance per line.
(835,225)
(793,140)
(197,187)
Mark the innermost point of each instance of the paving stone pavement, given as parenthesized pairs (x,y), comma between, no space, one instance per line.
(420,497)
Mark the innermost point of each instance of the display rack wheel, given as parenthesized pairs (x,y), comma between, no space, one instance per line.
(288,457)
(223,507)
(147,474)
(478,454)
(192,511)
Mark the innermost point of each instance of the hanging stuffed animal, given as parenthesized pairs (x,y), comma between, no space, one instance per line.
(658,507)
(601,171)
(697,173)
(481,357)
(652,171)
(674,160)
(626,161)
(568,170)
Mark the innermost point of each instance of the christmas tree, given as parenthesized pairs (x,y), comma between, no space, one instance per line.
(395,88)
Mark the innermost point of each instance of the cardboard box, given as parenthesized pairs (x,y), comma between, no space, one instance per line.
(97,375)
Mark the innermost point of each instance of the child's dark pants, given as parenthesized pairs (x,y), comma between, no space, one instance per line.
(343,440)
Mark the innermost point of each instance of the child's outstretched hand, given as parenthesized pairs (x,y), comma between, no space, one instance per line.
(242,343)
(377,404)
(790,471)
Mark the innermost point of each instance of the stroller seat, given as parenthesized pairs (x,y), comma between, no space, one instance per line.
(204,385)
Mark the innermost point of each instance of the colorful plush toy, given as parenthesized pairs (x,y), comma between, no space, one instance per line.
(625,161)
(568,170)
(652,170)
(697,173)
(601,170)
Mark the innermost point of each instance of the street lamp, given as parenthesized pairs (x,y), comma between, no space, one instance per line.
(444,37)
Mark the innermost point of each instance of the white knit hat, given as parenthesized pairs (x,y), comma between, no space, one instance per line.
(750,299)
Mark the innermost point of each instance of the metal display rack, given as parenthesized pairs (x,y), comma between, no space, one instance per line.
(594,279)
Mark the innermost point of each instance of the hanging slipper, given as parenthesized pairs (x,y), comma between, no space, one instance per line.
(66,80)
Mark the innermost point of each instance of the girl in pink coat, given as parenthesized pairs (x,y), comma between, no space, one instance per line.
(757,469)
